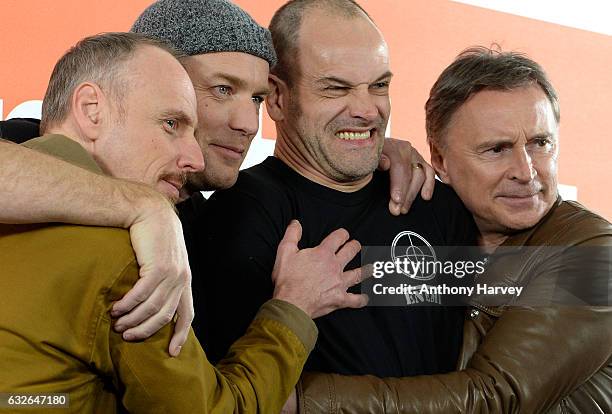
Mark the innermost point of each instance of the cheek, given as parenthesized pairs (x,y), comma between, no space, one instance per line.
(384,106)
(546,168)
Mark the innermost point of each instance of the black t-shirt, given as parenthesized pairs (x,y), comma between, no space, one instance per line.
(233,242)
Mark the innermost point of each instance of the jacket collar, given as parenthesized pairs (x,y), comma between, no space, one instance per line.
(67,149)
(521,239)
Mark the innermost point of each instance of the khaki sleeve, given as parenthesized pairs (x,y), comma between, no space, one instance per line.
(258,374)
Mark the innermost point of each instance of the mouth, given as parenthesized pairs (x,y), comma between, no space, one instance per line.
(228,150)
(176,184)
(520,195)
(355,135)
(171,189)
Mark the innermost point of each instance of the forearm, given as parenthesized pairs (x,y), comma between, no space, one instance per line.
(257,375)
(265,364)
(40,188)
(530,360)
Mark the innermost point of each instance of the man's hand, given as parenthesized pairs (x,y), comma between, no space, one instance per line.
(409,174)
(83,197)
(165,280)
(314,279)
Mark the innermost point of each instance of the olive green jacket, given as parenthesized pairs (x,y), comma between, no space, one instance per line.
(57,285)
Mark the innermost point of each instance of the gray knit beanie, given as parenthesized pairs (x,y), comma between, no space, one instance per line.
(205,26)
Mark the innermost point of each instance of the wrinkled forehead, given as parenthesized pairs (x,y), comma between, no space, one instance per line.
(524,111)
(343,45)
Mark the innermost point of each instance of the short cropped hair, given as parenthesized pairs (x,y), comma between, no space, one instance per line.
(285,27)
(97,59)
(474,70)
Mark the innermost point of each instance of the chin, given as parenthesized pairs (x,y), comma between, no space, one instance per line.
(219,182)
(522,222)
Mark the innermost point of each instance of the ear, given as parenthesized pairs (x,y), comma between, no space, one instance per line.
(438,161)
(88,109)
(276,100)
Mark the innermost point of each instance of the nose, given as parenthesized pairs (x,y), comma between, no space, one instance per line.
(244,117)
(522,166)
(363,105)
(190,158)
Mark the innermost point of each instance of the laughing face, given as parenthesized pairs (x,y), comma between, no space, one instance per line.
(339,106)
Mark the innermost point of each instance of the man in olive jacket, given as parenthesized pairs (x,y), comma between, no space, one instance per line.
(492,124)
(122,105)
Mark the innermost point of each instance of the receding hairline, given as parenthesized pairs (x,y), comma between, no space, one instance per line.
(100,60)
(286,29)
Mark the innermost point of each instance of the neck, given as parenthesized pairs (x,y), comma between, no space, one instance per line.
(67,129)
(71,130)
(304,165)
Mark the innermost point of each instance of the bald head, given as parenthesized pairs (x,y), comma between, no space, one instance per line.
(286,26)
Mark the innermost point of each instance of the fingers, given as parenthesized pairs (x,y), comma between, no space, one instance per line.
(428,173)
(335,240)
(151,315)
(400,176)
(418,178)
(185,315)
(355,276)
(142,290)
(149,327)
(399,154)
(353,300)
(348,252)
(430,182)
(348,300)
(289,242)
(384,163)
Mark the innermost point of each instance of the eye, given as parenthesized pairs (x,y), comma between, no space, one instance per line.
(542,142)
(171,124)
(258,100)
(381,85)
(336,88)
(222,90)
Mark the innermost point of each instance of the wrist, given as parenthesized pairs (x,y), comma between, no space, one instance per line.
(143,203)
(293,299)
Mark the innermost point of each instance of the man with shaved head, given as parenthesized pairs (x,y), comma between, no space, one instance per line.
(330,101)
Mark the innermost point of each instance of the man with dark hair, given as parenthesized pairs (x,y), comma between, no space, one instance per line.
(121,104)
(228,60)
(493,125)
(330,129)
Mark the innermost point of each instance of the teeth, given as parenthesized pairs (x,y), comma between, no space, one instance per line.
(353,135)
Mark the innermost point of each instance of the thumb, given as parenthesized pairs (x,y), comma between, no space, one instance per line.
(292,237)
(384,163)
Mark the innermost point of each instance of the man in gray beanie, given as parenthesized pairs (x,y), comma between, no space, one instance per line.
(229,60)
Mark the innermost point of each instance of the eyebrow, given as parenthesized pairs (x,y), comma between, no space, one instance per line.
(343,82)
(237,81)
(507,142)
(180,116)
